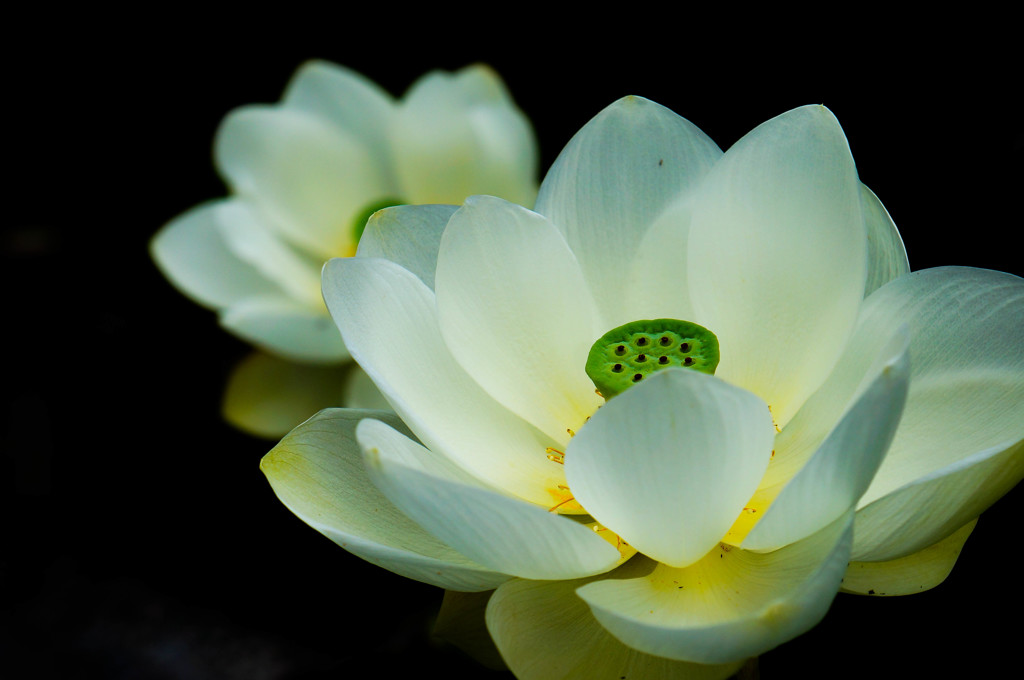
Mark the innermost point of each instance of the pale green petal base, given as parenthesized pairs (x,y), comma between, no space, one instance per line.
(461,623)
(914,573)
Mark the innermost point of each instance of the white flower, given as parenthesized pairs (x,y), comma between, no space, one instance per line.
(858,421)
(304,175)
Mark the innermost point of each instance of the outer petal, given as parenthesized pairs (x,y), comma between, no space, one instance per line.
(268,396)
(310,179)
(282,326)
(317,471)
(931,508)
(456,135)
(545,632)
(388,318)
(914,573)
(610,183)
(191,252)
(352,103)
(408,235)
(777,256)
(887,258)
(830,484)
(729,606)
(668,464)
(967,370)
(516,313)
(503,533)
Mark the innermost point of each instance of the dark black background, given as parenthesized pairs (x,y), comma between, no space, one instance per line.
(140,540)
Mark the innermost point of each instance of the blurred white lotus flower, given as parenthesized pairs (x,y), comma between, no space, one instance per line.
(304,175)
(674,523)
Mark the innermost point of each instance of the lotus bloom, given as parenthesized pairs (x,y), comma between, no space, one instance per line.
(304,176)
(669,413)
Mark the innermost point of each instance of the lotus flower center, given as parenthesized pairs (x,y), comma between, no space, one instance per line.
(625,355)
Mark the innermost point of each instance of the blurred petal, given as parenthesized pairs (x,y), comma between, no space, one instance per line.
(546,632)
(388,318)
(310,179)
(317,471)
(612,181)
(408,235)
(668,464)
(914,573)
(502,533)
(515,312)
(777,256)
(456,135)
(267,396)
(461,623)
(929,509)
(191,252)
(731,605)
(360,392)
(284,327)
(887,258)
(841,469)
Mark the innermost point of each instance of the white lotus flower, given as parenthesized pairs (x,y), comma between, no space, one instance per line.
(304,175)
(859,418)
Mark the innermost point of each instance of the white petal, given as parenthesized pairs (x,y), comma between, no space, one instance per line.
(252,239)
(611,182)
(500,532)
(929,509)
(887,258)
(657,286)
(191,252)
(284,327)
(729,606)
(545,632)
(317,471)
(408,235)
(267,396)
(967,369)
(310,179)
(516,314)
(350,102)
(388,319)
(841,469)
(668,464)
(777,256)
(914,573)
(456,135)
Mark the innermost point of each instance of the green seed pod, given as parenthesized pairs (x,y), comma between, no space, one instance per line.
(626,355)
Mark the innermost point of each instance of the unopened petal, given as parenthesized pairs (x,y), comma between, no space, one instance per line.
(317,471)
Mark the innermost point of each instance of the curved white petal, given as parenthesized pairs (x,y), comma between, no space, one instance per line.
(459,134)
(668,464)
(611,182)
(729,606)
(351,102)
(914,573)
(929,509)
(887,258)
(408,235)
(657,286)
(252,239)
(777,256)
(267,396)
(502,533)
(310,179)
(967,369)
(191,252)
(317,471)
(544,631)
(841,469)
(515,312)
(388,319)
(282,326)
